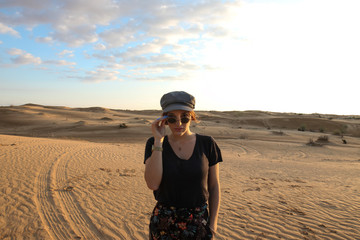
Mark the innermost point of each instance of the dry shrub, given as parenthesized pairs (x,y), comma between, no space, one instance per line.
(313,144)
(106,119)
(302,128)
(243,136)
(280,133)
(323,139)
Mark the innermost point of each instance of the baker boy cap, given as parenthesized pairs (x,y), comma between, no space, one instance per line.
(177,100)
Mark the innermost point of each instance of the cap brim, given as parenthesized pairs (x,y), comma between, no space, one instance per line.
(174,107)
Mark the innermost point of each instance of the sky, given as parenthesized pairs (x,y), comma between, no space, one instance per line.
(300,56)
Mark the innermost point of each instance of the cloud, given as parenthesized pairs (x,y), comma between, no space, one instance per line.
(69,53)
(33,4)
(15,51)
(150,36)
(8,30)
(100,46)
(75,35)
(84,12)
(173,23)
(105,57)
(59,62)
(77,22)
(101,75)
(22,57)
(47,39)
(73,21)
(143,49)
(115,66)
(119,37)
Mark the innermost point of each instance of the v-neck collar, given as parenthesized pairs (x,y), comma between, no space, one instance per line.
(172,150)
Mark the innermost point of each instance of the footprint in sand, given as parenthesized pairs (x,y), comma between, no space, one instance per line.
(126,172)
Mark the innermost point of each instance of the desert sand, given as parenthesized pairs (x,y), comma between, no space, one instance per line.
(77,173)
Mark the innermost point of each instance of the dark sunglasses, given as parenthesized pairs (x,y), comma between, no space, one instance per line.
(172,120)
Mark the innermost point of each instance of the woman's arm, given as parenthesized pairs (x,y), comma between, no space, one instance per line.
(214,196)
(154,168)
(153,165)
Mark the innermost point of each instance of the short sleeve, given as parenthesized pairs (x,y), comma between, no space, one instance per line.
(214,153)
(148,147)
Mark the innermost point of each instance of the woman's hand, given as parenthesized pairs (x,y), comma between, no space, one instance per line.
(158,128)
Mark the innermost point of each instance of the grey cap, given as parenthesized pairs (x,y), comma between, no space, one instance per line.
(178,100)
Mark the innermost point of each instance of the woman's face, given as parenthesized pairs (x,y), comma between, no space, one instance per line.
(179,122)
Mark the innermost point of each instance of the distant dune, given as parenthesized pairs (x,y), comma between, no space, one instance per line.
(61,122)
(77,173)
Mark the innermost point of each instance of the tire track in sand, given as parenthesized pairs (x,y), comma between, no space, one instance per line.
(50,215)
(73,212)
(247,150)
(60,213)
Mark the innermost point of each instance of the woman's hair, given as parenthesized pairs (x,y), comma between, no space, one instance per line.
(193,116)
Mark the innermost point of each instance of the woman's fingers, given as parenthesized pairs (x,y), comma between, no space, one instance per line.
(158,127)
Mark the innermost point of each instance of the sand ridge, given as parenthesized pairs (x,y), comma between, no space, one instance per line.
(75,174)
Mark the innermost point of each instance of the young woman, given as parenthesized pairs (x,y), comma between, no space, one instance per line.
(181,168)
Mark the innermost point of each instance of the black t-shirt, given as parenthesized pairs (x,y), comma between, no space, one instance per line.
(184,182)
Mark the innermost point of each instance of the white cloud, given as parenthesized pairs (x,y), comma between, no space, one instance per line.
(15,51)
(183,37)
(47,39)
(65,52)
(59,62)
(84,12)
(115,66)
(75,22)
(137,32)
(33,4)
(172,24)
(101,75)
(100,46)
(8,30)
(22,57)
(119,37)
(143,49)
(75,35)
(72,21)
(105,57)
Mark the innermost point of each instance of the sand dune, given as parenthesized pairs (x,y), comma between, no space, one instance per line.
(76,174)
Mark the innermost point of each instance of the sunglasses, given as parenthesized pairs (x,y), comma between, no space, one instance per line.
(172,120)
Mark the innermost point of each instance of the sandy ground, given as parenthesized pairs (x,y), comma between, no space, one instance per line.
(78,174)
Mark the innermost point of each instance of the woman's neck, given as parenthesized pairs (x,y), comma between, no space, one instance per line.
(183,137)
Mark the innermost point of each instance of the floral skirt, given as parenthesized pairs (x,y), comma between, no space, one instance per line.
(168,223)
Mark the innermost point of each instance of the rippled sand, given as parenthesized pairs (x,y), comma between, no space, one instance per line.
(72,175)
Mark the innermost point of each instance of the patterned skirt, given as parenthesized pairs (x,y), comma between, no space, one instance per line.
(168,223)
